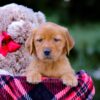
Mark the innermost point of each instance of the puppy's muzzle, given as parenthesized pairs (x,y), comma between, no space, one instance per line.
(47,52)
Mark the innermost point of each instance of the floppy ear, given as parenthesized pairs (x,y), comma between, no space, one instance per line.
(29,44)
(69,41)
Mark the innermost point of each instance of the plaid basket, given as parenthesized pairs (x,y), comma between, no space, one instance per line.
(16,88)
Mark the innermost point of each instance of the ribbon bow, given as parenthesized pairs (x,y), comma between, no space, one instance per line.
(7,44)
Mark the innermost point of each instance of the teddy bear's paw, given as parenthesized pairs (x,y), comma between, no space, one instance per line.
(70,81)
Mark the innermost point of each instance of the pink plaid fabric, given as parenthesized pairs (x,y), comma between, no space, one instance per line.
(16,88)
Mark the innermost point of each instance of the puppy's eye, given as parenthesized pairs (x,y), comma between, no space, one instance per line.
(57,40)
(39,40)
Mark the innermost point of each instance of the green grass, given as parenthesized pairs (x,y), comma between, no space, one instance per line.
(87,38)
(88,33)
(53,18)
(97,88)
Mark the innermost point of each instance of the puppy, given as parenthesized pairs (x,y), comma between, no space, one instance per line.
(49,44)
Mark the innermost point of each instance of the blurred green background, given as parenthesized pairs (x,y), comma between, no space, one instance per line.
(82,17)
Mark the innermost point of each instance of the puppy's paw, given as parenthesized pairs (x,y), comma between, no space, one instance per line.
(34,79)
(70,81)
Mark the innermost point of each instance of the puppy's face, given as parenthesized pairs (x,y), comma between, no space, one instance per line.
(49,42)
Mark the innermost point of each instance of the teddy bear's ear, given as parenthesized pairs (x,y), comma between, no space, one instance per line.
(29,44)
(69,41)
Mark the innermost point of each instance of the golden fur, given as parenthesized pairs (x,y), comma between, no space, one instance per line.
(58,40)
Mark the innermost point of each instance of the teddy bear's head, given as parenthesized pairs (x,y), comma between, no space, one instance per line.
(16,23)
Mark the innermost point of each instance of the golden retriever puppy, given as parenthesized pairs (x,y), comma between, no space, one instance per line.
(49,44)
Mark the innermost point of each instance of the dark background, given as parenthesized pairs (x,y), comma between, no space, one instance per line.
(82,17)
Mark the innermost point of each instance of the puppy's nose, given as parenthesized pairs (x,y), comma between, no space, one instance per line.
(47,52)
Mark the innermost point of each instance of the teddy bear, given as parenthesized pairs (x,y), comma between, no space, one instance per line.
(16,23)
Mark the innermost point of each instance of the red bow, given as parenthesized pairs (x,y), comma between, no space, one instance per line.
(7,44)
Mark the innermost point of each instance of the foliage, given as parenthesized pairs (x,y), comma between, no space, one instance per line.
(97,88)
(87,46)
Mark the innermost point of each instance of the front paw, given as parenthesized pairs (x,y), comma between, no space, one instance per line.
(70,81)
(34,79)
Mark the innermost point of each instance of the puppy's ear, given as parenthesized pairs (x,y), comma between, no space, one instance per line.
(69,41)
(29,44)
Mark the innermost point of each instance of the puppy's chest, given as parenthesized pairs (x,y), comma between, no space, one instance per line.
(53,71)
